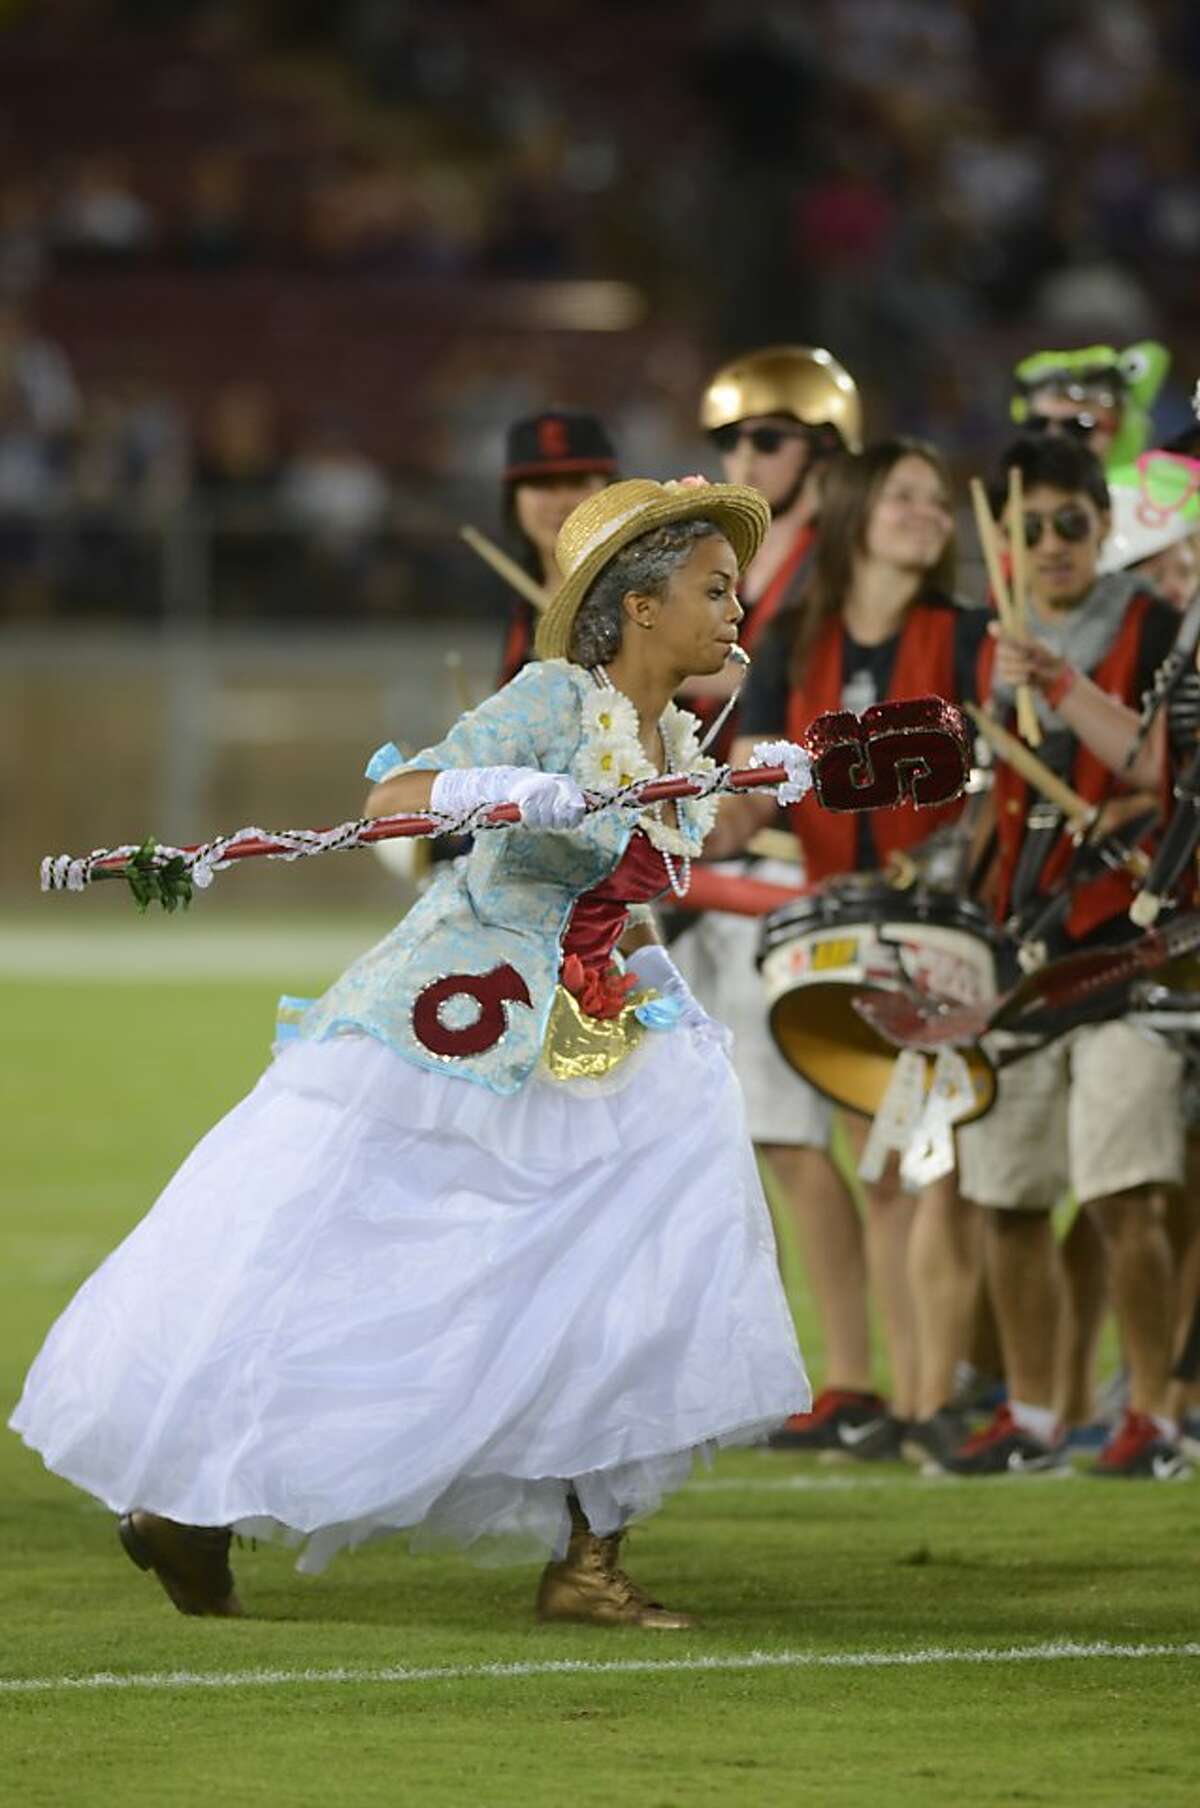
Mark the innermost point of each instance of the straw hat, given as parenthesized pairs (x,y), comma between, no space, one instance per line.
(593,534)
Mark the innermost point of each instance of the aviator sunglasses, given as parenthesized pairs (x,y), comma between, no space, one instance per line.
(1074,426)
(763,439)
(1071,522)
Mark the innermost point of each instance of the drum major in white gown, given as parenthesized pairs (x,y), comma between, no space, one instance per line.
(406,1286)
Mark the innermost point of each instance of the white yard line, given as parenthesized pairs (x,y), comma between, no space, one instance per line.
(1056,1651)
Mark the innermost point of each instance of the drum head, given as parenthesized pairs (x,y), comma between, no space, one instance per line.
(820,1034)
(867,898)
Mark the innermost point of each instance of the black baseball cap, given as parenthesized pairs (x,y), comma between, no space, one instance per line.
(562,441)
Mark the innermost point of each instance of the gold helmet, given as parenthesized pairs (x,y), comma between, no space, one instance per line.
(799,380)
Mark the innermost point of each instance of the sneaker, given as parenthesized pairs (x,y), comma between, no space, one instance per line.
(834,1411)
(1003,1448)
(934,1442)
(876,1440)
(1138,1449)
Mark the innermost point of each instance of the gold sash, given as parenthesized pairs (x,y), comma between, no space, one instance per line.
(579,1047)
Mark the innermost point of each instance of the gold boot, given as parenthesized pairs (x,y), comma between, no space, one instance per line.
(589,1585)
(191,1562)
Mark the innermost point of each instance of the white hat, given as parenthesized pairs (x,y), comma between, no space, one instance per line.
(1155,503)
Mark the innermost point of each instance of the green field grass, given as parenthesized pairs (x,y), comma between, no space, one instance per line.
(794,1569)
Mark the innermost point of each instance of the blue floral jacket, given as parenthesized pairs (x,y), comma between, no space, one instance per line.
(464,984)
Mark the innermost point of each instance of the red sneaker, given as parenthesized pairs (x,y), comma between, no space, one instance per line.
(1138,1449)
(1004,1448)
(839,1417)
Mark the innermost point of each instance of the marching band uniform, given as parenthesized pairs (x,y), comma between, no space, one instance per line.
(484,1254)
(942,650)
(808,386)
(1098,1109)
(1119,637)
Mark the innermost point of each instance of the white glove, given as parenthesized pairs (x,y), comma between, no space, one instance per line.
(797,762)
(654,967)
(548,800)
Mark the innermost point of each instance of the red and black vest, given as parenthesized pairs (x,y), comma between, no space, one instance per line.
(924,666)
(776,593)
(1097,900)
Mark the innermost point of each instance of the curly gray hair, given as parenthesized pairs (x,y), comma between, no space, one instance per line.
(646,566)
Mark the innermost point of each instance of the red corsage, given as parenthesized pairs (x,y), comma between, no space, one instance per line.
(601,992)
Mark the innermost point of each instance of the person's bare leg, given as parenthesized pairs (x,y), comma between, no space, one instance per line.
(983,1333)
(1183,1230)
(1021,1259)
(1084,1303)
(831,1247)
(890,1212)
(1182,1219)
(944,1275)
(1143,1288)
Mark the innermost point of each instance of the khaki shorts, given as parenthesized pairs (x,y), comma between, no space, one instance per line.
(1098,1111)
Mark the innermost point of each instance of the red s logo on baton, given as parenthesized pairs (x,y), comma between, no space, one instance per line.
(893,753)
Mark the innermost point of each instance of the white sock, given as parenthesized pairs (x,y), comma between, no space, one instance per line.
(1168,1427)
(1040,1422)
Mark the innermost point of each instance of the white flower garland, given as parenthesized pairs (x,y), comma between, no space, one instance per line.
(612,757)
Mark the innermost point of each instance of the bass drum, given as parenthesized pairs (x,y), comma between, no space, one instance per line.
(857,934)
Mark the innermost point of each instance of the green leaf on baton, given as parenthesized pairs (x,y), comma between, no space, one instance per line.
(151,880)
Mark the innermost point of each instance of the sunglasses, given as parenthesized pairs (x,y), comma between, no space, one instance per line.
(1071,522)
(1078,426)
(763,439)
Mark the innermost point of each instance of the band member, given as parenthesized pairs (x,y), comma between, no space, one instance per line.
(485,1252)
(1099,1109)
(1156,524)
(878,620)
(777,416)
(1097,394)
(553,462)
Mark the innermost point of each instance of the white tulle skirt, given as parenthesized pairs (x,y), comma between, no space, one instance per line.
(376,1298)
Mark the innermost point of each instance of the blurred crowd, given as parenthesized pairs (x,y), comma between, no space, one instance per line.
(929,187)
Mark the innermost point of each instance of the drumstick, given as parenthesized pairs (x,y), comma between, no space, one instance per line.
(1080,814)
(985,527)
(1027,717)
(508,569)
(1017,550)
